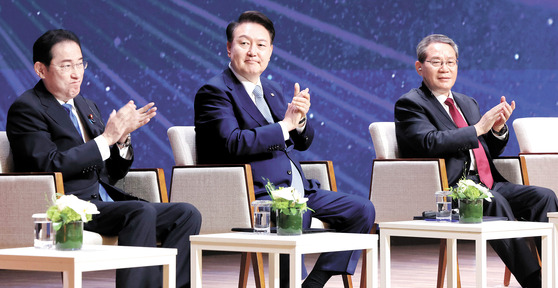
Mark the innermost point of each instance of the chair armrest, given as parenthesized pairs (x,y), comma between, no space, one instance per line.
(321,171)
(540,169)
(22,195)
(402,188)
(148,184)
(510,168)
(222,193)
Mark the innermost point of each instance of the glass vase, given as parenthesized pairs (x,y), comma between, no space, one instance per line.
(470,211)
(289,224)
(69,236)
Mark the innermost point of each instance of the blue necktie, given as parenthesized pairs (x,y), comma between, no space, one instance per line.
(296,181)
(68,107)
(73,117)
(261,104)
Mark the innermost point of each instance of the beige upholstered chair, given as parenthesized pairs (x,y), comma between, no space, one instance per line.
(402,188)
(538,149)
(24,194)
(223,193)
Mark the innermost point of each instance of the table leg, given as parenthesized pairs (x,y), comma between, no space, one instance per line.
(72,278)
(385,260)
(274,270)
(195,266)
(372,268)
(480,251)
(547,260)
(169,274)
(451,252)
(295,260)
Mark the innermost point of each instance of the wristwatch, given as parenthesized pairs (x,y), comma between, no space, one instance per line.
(126,143)
(502,131)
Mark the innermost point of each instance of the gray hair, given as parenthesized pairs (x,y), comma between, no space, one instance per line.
(434,38)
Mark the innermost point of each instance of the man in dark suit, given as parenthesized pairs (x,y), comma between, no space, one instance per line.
(46,134)
(425,128)
(237,123)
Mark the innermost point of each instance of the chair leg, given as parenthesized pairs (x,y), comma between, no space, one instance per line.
(442,263)
(363,271)
(507,277)
(257,264)
(347,281)
(244,269)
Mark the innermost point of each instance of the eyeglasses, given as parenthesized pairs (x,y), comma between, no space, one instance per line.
(439,63)
(69,67)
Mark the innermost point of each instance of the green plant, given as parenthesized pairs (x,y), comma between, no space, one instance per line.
(286,199)
(68,209)
(469,190)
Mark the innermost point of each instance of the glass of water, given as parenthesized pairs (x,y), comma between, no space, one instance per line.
(44,234)
(262,209)
(443,206)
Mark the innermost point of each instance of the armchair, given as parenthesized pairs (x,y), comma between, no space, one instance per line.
(538,150)
(407,185)
(223,193)
(23,194)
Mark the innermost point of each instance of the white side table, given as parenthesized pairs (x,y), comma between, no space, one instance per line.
(295,246)
(553,218)
(480,233)
(90,258)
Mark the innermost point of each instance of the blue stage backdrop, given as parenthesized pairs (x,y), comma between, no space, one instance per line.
(357,58)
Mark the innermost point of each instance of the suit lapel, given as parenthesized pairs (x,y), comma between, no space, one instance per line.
(244,100)
(465,108)
(92,125)
(56,111)
(441,114)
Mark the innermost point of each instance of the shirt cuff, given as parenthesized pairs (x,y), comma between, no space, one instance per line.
(286,135)
(103,146)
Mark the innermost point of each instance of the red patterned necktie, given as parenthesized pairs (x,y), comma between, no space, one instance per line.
(480,156)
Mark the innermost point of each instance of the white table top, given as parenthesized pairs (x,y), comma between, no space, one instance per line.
(488,226)
(312,242)
(91,252)
(552,214)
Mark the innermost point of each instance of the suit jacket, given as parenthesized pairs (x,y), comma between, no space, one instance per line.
(231,129)
(425,129)
(43,139)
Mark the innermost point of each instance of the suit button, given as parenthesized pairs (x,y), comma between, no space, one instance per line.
(289,172)
(94,196)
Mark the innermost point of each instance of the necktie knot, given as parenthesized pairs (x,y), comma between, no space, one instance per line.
(449,102)
(68,107)
(258,92)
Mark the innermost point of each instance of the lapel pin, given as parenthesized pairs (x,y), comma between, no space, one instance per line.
(272,95)
(90,116)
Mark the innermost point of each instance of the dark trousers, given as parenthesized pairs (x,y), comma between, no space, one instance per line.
(519,202)
(342,212)
(138,223)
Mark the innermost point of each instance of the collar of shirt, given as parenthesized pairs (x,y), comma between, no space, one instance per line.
(248,85)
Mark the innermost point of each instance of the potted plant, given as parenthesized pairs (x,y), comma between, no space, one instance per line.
(289,206)
(68,213)
(470,196)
